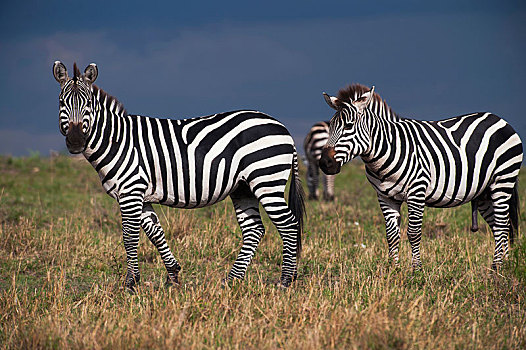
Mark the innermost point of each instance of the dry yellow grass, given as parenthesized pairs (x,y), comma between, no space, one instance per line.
(62,264)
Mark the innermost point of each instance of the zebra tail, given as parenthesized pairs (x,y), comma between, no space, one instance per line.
(514,213)
(297,200)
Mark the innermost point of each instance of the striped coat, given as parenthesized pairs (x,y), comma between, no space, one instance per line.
(191,163)
(471,158)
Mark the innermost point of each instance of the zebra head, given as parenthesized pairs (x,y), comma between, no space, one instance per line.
(348,132)
(76,104)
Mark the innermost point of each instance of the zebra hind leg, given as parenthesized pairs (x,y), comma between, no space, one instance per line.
(246,206)
(152,227)
(312,180)
(287,225)
(269,189)
(485,208)
(496,213)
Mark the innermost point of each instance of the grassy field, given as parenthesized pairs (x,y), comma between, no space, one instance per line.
(62,264)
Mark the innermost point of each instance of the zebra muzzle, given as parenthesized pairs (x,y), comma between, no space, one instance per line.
(328,164)
(75,138)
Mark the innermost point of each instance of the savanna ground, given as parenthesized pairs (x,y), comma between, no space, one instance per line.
(62,264)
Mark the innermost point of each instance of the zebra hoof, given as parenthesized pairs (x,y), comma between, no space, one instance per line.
(171,282)
(328,198)
(284,283)
(393,262)
(131,289)
(132,282)
(496,267)
(283,286)
(417,269)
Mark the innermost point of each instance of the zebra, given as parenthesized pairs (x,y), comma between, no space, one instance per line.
(319,134)
(189,163)
(470,158)
(312,145)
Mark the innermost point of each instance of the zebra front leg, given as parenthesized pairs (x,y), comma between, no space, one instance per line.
(328,187)
(249,219)
(131,209)
(152,227)
(415,212)
(391,211)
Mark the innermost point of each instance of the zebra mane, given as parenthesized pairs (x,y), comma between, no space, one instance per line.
(355,91)
(107,99)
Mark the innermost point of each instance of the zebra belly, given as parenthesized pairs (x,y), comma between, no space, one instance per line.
(436,195)
(449,202)
(399,193)
(460,188)
(173,201)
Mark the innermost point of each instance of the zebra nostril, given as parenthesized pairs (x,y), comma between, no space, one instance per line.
(328,164)
(324,164)
(75,138)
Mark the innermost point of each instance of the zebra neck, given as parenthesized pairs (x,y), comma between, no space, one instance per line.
(382,142)
(110,130)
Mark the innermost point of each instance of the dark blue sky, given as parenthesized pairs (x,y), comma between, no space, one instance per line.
(181,59)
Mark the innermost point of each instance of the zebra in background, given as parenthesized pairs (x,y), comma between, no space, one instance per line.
(474,157)
(319,134)
(188,163)
(312,145)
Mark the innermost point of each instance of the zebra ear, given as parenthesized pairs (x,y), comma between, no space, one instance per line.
(91,73)
(60,72)
(364,100)
(333,102)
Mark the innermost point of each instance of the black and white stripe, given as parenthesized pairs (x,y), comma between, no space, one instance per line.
(188,163)
(471,158)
